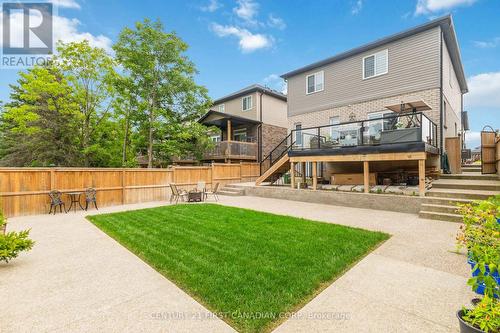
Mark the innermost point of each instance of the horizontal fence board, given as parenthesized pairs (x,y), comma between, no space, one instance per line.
(24,191)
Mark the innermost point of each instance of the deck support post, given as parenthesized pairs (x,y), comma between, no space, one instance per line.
(366,176)
(292,174)
(303,170)
(315,175)
(229,131)
(421,177)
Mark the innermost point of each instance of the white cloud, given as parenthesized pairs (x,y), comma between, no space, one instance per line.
(484,91)
(433,6)
(472,139)
(247,10)
(274,81)
(357,7)
(488,44)
(64,29)
(248,41)
(212,6)
(276,22)
(66,4)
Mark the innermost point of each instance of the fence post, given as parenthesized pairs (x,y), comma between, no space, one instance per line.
(123,186)
(52,179)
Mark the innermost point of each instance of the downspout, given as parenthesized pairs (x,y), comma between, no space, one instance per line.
(260,126)
(441,117)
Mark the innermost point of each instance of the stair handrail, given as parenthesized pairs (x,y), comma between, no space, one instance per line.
(269,156)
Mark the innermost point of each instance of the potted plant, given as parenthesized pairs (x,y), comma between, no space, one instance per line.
(480,235)
(484,317)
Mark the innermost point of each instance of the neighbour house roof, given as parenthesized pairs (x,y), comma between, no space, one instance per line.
(446,24)
(219,119)
(251,89)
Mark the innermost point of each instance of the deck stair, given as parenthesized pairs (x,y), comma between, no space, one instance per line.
(441,202)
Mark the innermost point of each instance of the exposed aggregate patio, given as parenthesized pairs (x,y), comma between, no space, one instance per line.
(78,279)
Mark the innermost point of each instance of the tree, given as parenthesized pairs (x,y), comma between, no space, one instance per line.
(90,71)
(168,99)
(38,126)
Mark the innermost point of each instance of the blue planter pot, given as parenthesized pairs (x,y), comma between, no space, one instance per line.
(475,272)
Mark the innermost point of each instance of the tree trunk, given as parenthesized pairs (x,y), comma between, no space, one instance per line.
(150,143)
(125,139)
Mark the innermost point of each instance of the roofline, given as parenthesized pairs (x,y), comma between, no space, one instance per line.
(249,90)
(446,24)
(227,115)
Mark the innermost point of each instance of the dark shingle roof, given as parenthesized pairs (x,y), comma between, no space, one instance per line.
(251,89)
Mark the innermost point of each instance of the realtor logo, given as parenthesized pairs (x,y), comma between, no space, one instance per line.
(27,30)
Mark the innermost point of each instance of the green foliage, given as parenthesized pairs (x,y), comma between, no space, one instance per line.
(38,125)
(12,243)
(485,315)
(167,100)
(87,108)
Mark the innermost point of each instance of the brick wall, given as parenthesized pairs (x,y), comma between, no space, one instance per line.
(271,137)
(361,110)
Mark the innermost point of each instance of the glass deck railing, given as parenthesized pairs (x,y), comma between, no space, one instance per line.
(390,129)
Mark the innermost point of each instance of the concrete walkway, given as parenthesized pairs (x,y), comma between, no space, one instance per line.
(77,279)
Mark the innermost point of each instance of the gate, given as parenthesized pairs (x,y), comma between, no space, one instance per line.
(488,150)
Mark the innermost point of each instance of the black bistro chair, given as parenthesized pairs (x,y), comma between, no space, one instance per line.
(56,201)
(90,197)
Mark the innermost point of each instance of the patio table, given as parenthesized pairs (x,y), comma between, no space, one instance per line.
(195,196)
(75,199)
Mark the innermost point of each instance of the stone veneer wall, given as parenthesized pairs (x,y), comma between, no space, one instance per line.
(271,137)
(362,109)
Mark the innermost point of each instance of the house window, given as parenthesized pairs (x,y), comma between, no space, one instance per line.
(376,64)
(334,130)
(246,103)
(240,135)
(222,108)
(215,138)
(314,82)
(298,134)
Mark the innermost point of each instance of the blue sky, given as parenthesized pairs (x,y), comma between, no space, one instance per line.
(235,43)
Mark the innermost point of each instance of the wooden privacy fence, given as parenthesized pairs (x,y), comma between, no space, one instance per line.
(24,191)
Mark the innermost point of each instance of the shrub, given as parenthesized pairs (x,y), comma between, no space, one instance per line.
(485,315)
(12,243)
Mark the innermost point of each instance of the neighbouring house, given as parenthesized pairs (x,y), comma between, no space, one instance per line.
(249,124)
(375,114)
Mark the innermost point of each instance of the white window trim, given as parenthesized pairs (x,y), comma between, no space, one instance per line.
(221,106)
(251,103)
(373,55)
(315,91)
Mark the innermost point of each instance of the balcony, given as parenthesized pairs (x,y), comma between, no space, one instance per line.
(233,150)
(385,133)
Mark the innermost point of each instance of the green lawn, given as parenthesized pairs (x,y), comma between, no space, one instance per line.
(248,266)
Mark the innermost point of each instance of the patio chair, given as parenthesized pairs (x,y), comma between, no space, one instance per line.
(201,186)
(176,194)
(56,201)
(90,197)
(213,193)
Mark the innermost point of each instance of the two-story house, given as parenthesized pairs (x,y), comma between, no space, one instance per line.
(375,109)
(250,123)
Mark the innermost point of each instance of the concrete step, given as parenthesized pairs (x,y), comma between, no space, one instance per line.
(470,176)
(440,216)
(467,184)
(461,194)
(449,209)
(446,201)
(471,169)
(232,191)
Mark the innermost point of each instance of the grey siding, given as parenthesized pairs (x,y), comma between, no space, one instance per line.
(413,65)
